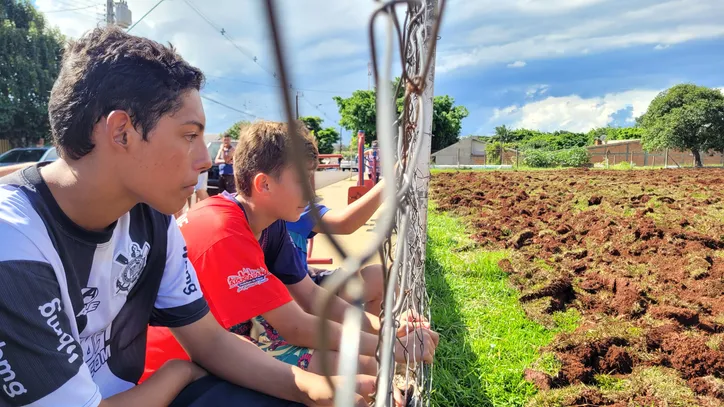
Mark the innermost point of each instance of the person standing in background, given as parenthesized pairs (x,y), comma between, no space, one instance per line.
(225,159)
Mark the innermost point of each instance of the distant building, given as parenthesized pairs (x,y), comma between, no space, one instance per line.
(467,151)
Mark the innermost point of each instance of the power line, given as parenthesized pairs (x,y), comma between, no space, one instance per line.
(320,110)
(224,34)
(144,16)
(69,9)
(269,85)
(229,107)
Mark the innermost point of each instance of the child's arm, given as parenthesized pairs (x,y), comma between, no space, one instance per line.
(220,156)
(307,291)
(355,215)
(302,329)
(161,388)
(12,168)
(238,361)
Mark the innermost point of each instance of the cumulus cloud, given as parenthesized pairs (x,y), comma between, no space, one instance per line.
(572,112)
(565,28)
(517,64)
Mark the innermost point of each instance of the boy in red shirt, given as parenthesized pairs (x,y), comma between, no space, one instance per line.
(244,257)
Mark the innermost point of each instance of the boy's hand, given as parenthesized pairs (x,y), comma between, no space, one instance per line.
(420,345)
(411,320)
(318,393)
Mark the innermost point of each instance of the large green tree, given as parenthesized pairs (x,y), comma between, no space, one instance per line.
(30,55)
(686,117)
(313,123)
(447,121)
(326,137)
(358,112)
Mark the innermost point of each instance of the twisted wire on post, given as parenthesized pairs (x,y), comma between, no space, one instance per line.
(400,231)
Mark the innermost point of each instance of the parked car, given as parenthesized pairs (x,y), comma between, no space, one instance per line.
(29,154)
(347,165)
(213,184)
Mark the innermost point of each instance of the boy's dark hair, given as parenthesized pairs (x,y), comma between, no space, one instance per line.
(266,147)
(108,69)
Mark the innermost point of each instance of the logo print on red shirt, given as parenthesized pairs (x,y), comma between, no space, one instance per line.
(246,278)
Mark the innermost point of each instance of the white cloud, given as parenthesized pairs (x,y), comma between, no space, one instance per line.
(660,47)
(563,28)
(536,91)
(517,64)
(325,42)
(572,112)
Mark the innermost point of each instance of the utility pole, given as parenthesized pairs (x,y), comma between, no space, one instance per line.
(109,12)
(297,104)
(369,76)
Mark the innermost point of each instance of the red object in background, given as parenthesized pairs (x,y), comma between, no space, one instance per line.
(323,156)
(310,260)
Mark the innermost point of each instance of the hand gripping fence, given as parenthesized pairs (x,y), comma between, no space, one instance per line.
(404,136)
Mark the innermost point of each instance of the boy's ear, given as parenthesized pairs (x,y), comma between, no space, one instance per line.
(119,129)
(260,183)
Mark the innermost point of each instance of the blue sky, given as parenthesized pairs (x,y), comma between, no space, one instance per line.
(545,64)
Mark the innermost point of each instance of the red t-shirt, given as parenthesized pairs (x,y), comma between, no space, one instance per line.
(230,266)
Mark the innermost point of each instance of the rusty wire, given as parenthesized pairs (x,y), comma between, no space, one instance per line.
(400,233)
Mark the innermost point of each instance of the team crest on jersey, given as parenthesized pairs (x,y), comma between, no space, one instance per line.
(89,303)
(133,264)
(246,278)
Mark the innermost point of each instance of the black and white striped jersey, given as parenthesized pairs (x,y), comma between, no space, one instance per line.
(75,304)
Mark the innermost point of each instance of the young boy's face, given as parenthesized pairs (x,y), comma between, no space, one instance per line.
(286,195)
(163,171)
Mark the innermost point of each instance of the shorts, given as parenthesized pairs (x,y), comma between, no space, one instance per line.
(226,183)
(212,391)
(203,181)
(259,332)
(318,275)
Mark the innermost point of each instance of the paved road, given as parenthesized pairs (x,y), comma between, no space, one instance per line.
(325,178)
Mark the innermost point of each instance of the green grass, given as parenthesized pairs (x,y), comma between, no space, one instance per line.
(486,341)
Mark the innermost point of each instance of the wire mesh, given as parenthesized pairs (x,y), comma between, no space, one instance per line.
(403,133)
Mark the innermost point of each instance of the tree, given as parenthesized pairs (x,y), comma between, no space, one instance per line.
(358,112)
(235,130)
(313,123)
(446,122)
(685,117)
(326,139)
(502,134)
(30,55)
(614,133)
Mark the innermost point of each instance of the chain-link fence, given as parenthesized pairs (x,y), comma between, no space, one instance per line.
(400,234)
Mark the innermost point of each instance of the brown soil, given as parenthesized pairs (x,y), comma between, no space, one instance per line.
(642,247)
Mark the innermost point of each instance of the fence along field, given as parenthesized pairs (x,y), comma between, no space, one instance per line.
(404,143)
(639,254)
